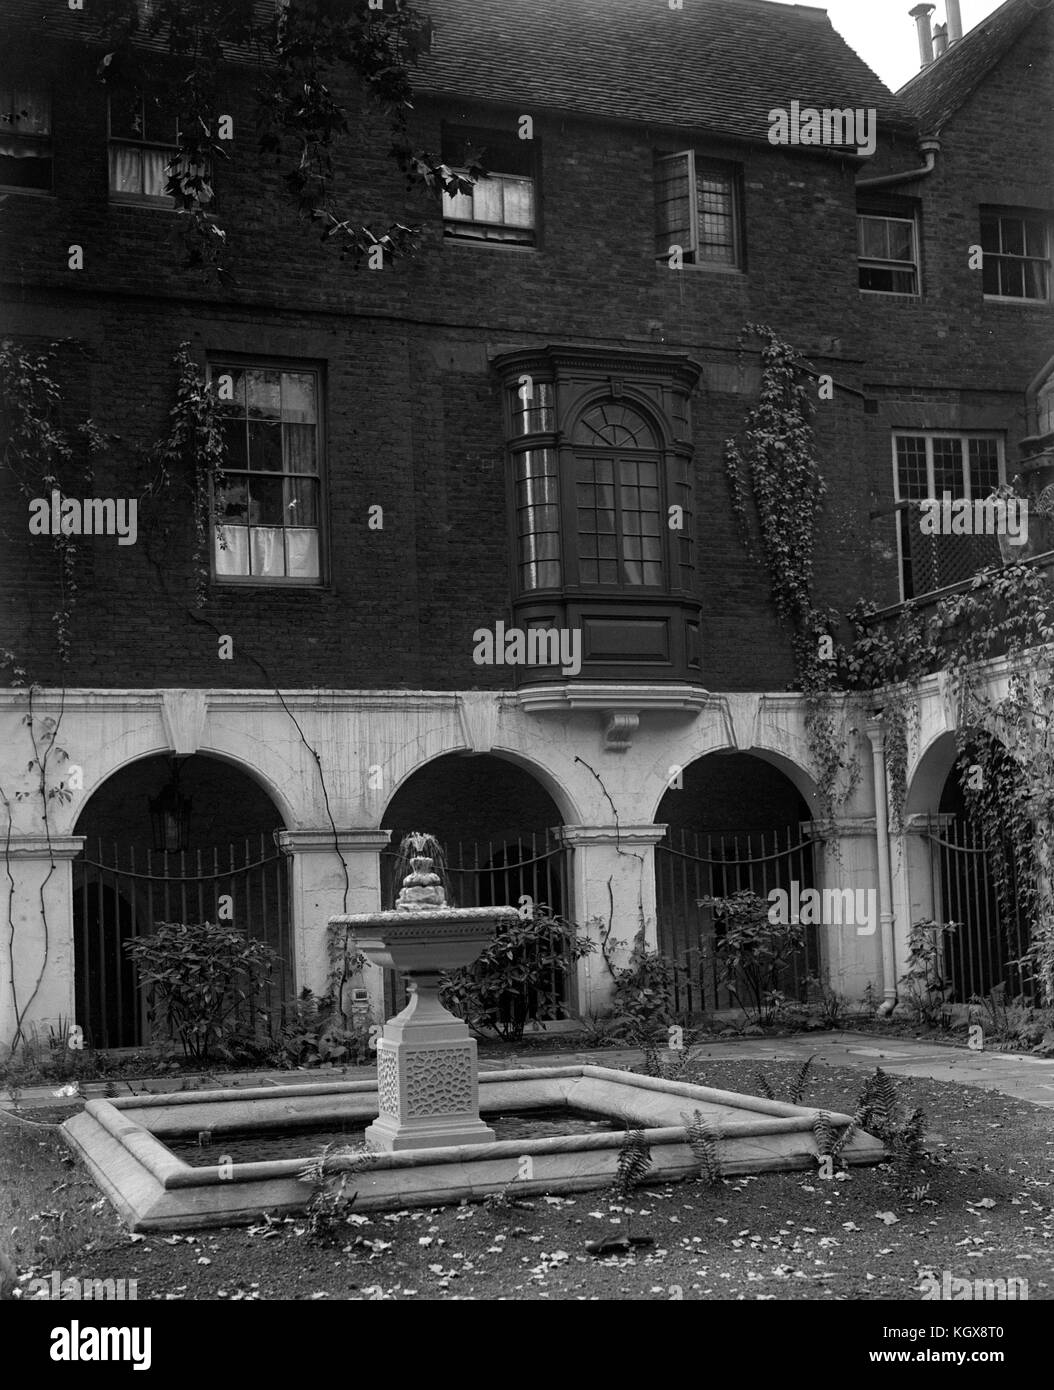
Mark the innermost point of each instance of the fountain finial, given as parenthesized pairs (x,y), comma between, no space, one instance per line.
(422,889)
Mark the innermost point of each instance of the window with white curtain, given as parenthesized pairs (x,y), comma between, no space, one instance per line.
(144,134)
(25,137)
(267,503)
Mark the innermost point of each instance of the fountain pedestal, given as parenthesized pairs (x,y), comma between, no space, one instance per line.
(427,1074)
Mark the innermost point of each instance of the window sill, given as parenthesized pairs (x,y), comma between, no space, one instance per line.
(1020,302)
(663,263)
(893,294)
(492,244)
(295,586)
(6,188)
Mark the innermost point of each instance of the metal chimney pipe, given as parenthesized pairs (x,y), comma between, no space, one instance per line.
(940,40)
(955,21)
(921,15)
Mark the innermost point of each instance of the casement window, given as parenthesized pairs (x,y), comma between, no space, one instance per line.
(502,206)
(144,134)
(25,138)
(1016,246)
(888,247)
(601,507)
(927,465)
(698,208)
(267,503)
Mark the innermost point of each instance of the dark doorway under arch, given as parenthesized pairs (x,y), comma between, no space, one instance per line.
(231,870)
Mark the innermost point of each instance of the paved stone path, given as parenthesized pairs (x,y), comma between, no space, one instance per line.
(1013,1074)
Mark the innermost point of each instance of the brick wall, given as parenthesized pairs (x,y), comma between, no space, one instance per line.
(413,416)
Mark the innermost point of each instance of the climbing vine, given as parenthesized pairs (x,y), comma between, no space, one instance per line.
(777,498)
(305,56)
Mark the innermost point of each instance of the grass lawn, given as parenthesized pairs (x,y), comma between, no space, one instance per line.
(989,1214)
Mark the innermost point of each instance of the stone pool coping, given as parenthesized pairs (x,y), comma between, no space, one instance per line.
(121,1142)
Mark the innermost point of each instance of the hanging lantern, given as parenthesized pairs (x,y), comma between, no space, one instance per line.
(170,816)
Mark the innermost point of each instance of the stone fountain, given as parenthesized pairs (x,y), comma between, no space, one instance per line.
(427,1073)
(425,1142)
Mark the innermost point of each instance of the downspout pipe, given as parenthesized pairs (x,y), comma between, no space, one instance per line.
(876,732)
(929,148)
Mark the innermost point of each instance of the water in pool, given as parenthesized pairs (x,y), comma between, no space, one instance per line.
(266,1145)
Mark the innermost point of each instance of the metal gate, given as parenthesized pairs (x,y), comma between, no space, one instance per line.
(114,902)
(980,956)
(690,865)
(486,873)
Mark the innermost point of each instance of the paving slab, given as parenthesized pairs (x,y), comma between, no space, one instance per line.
(1013,1074)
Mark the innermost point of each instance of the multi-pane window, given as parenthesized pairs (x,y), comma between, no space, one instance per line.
(928,466)
(144,134)
(618,498)
(697,209)
(501,206)
(25,138)
(887,249)
(1016,248)
(267,502)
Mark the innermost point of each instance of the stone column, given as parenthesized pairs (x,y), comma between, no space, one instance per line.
(318,894)
(613,876)
(851,951)
(44,950)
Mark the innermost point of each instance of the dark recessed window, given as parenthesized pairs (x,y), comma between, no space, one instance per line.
(888,247)
(502,206)
(267,504)
(25,138)
(1016,246)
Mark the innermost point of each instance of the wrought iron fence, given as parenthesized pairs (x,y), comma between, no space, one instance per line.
(982,954)
(690,865)
(115,901)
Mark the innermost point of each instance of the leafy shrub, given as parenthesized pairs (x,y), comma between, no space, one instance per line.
(200,977)
(519,977)
(926,987)
(643,999)
(314,1032)
(752,953)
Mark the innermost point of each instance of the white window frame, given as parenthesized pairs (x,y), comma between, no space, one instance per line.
(964,437)
(691,158)
(1022,215)
(874,262)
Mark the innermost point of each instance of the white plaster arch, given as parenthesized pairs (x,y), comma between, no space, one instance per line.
(544,776)
(930,773)
(274,794)
(797,775)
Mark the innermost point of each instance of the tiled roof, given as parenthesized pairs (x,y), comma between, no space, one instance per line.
(937,92)
(718,65)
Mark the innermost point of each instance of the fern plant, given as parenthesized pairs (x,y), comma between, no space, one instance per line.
(329,1204)
(702,1139)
